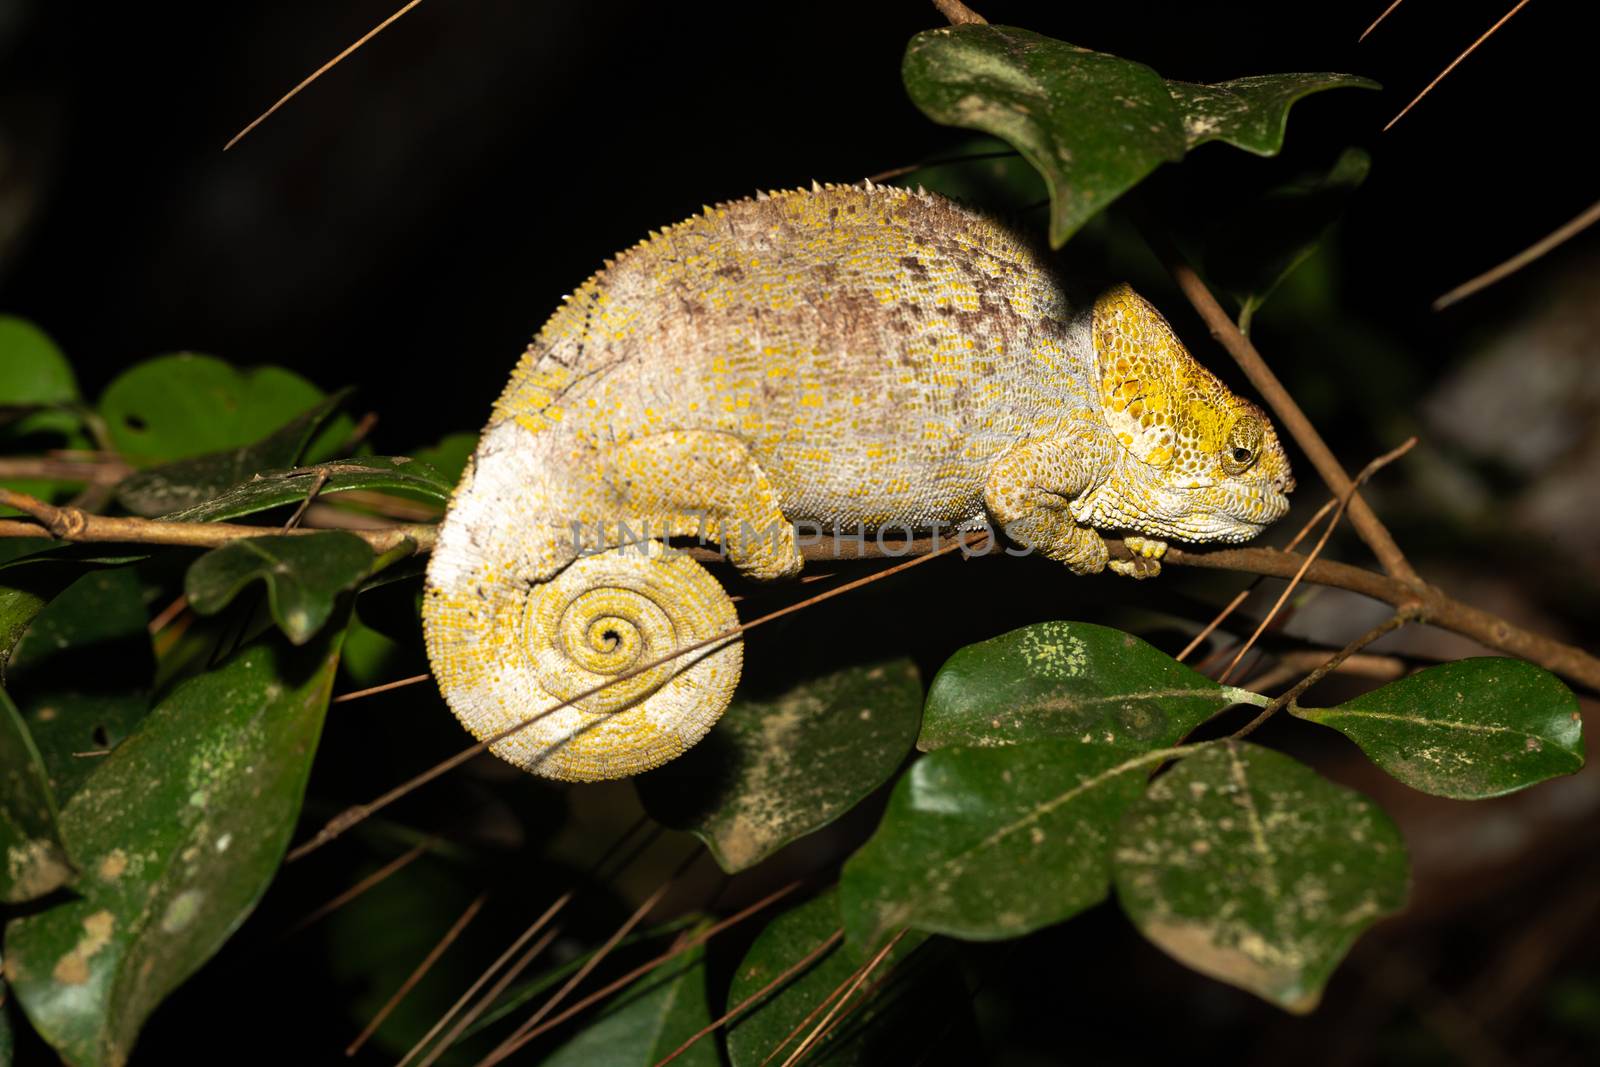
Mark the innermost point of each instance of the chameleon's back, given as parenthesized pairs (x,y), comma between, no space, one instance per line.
(845,334)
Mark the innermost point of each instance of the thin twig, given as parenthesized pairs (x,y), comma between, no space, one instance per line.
(77,525)
(311,494)
(1394,622)
(862,974)
(384,688)
(1456,62)
(416,976)
(910,168)
(354,815)
(1338,513)
(1376,21)
(959,14)
(62,468)
(1366,523)
(389,869)
(1521,259)
(167,614)
(660,961)
(596,870)
(1293,664)
(787,973)
(489,997)
(506,1047)
(1243,594)
(319,72)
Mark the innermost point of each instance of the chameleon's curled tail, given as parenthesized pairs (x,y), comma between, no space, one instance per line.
(544,651)
(520,628)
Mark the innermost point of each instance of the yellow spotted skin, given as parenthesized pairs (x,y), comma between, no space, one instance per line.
(844,358)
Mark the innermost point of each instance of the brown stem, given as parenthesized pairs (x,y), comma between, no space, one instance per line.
(959,14)
(61,469)
(1394,622)
(75,524)
(1227,334)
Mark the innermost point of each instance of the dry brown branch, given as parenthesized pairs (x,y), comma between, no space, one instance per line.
(1362,518)
(787,973)
(77,525)
(467,1020)
(393,867)
(1294,664)
(319,72)
(506,1047)
(1521,259)
(667,957)
(1394,622)
(1378,21)
(959,14)
(1473,47)
(1316,550)
(64,468)
(416,975)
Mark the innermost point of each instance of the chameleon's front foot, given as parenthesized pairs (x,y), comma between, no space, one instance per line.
(1146,561)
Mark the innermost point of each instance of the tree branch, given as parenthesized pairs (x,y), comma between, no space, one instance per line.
(959,14)
(1366,523)
(77,525)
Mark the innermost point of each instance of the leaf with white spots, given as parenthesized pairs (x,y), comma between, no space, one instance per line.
(1073,681)
(1470,729)
(304,575)
(993,843)
(1249,867)
(1094,125)
(32,859)
(775,769)
(177,833)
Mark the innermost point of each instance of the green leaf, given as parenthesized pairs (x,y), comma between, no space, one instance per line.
(178,406)
(648,1022)
(1250,868)
(36,371)
(178,833)
(449,455)
(919,985)
(186,483)
(304,575)
(1251,113)
(753,784)
(274,488)
(37,394)
(1094,125)
(1250,249)
(993,843)
(82,672)
(34,861)
(1069,680)
(1470,729)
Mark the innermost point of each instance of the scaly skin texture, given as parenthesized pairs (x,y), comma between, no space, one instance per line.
(845,358)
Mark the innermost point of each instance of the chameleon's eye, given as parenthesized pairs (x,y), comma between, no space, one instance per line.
(1243,445)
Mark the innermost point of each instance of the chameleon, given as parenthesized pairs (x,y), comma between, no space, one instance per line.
(844,357)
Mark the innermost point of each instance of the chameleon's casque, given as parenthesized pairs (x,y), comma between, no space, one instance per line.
(843,356)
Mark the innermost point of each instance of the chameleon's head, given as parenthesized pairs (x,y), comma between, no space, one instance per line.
(1200,464)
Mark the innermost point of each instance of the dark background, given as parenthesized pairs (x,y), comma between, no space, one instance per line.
(408,222)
